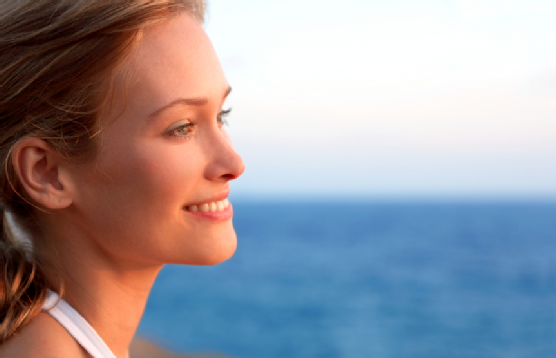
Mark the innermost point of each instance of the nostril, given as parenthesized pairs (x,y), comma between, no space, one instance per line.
(229,176)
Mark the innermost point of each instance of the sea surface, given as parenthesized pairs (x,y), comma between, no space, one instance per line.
(363,280)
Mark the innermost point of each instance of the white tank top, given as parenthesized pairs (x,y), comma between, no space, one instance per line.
(77,326)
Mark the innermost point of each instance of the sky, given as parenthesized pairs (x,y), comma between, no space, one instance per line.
(387,98)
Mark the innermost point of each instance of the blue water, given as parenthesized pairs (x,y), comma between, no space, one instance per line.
(369,280)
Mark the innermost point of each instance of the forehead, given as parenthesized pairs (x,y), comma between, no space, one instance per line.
(173,59)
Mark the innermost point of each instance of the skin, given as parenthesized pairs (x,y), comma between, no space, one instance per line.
(112,224)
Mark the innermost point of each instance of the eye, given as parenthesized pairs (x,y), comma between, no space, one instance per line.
(181,129)
(221,117)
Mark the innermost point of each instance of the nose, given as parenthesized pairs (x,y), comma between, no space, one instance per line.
(225,164)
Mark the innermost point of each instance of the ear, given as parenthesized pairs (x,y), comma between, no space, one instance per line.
(41,172)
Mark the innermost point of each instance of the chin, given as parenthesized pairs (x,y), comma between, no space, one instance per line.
(215,254)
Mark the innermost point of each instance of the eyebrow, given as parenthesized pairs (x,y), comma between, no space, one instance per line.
(197,101)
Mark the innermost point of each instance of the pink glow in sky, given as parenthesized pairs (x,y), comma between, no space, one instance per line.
(391,97)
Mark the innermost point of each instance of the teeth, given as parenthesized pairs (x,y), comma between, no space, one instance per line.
(214,207)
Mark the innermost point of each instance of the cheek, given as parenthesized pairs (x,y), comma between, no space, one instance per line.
(135,199)
(157,174)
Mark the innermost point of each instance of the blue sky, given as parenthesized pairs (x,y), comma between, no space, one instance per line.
(391,98)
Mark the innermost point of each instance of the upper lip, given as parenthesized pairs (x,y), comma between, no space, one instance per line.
(217,197)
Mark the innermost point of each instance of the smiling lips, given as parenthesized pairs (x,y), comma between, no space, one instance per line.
(212,207)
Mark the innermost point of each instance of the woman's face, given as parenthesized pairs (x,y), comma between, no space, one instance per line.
(166,158)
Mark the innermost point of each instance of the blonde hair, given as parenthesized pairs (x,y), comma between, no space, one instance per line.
(55,59)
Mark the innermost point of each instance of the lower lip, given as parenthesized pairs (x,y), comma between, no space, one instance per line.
(223,215)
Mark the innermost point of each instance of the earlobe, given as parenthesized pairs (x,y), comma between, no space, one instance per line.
(39,169)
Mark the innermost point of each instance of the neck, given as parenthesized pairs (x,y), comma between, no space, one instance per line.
(109,293)
(112,304)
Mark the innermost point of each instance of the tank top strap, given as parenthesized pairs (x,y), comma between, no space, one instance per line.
(77,326)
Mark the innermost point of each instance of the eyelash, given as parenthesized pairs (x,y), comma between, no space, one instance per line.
(220,119)
(176,132)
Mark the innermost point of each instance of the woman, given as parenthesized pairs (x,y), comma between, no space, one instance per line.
(115,163)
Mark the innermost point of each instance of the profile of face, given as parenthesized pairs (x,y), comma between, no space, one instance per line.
(156,191)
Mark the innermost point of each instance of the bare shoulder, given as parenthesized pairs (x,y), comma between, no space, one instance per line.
(43,337)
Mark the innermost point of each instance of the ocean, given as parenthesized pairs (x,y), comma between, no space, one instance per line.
(363,280)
